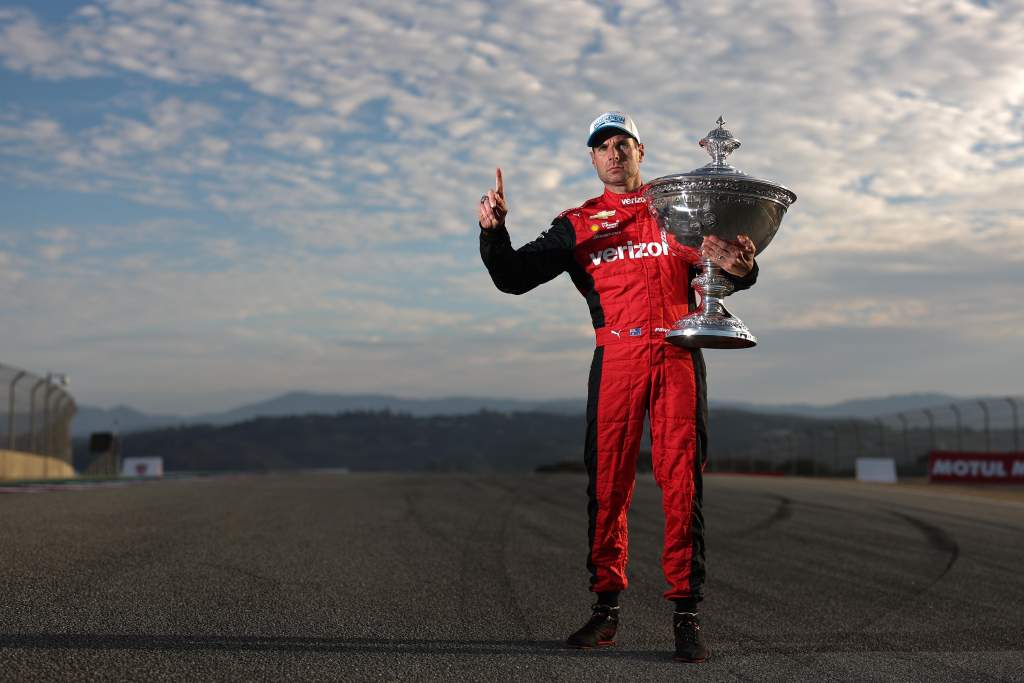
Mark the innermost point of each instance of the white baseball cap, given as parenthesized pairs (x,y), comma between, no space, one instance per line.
(616,120)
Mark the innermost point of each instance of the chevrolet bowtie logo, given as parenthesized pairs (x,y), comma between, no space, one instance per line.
(603,214)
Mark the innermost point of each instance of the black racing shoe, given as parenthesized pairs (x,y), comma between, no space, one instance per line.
(599,631)
(690,644)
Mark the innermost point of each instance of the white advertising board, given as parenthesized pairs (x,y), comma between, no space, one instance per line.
(142,467)
(882,470)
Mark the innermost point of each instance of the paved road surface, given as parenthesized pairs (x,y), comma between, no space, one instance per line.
(436,577)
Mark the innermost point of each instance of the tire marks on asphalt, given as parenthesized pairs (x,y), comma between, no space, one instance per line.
(783,512)
(937,538)
(484,559)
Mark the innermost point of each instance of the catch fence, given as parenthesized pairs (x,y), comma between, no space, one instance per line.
(831,447)
(35,413)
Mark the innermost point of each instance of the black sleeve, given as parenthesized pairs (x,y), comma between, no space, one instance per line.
(745,282)
(519,270)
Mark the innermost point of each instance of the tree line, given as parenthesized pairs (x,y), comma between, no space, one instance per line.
(485,441)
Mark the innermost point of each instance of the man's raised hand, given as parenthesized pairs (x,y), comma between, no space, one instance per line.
(493,209)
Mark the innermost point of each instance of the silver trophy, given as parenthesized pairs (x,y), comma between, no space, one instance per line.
(718,200)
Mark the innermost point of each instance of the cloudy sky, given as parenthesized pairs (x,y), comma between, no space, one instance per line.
(208,202)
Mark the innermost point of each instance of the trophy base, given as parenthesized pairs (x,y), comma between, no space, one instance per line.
(704,331)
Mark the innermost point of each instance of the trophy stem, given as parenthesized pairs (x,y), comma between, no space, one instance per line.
(712,287)
(711,326)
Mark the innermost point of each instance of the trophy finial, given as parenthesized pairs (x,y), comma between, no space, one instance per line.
(719,143)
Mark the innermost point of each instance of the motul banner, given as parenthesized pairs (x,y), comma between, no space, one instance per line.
(976,467)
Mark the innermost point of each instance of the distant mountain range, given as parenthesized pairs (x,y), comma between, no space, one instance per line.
(126,419)
(855,408)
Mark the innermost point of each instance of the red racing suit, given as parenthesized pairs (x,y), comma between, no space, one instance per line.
(636,281)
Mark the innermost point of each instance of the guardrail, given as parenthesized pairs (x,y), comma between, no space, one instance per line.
(35,413)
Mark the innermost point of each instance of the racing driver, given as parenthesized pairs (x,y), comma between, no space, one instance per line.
(635,280)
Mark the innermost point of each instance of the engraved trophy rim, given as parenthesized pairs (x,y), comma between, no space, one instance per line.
(719,143)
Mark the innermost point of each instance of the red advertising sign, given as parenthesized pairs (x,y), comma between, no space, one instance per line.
(976,467)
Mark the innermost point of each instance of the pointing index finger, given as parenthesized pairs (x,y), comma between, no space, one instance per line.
(499,182)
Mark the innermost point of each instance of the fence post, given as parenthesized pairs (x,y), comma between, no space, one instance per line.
(813,445)
(32,416)
(12,443)
(857,447)
(63,446)
(906,437)
(835,446)
(53,435)
(56,431)
(931,428)
(988,438)
(959,427)
(791,442)
(1016,437)
(44,447)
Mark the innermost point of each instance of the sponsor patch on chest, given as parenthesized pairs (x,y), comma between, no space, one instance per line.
(629,250)
(604,225)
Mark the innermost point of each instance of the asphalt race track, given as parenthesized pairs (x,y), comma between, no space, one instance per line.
(462,577)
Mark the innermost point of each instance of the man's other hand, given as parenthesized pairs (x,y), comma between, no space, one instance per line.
(734,257)
(493,209)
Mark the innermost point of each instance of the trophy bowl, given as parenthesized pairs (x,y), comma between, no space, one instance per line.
(718,200)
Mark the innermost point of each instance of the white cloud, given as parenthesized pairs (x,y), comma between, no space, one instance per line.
(9,272)
(367,133)
(214,145)
(169,122)
(349,56)
(296,143)
(26,45)
(53,252)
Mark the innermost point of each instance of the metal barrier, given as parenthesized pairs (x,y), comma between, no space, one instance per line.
(36,413)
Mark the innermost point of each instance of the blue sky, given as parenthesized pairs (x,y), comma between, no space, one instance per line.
(208,202)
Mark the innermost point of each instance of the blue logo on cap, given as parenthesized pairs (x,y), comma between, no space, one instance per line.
(610,118)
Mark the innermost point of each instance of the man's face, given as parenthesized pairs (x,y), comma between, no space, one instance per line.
(617,161)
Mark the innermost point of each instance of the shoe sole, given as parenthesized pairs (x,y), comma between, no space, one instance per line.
(684,660)
(600,645)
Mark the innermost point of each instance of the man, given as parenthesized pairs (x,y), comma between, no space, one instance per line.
(635,280)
